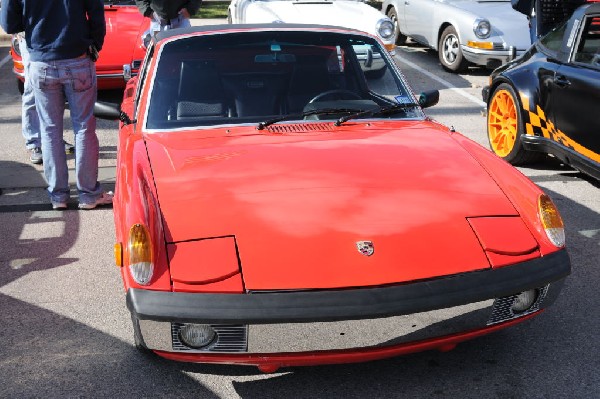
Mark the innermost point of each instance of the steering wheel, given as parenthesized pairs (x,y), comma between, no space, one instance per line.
(336,93)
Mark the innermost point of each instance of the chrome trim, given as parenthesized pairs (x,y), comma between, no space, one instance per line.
(110,76)
(354,334)
(229,339)
(503,307)
(126,72)
(115,76)
(348,334)
(482,57)
(339,335)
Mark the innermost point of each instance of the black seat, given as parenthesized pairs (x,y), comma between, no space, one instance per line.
(308,80)
(200,92)
(257,93)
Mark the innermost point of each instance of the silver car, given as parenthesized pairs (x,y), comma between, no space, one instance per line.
(481,32)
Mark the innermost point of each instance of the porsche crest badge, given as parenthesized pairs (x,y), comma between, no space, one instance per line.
(365,247)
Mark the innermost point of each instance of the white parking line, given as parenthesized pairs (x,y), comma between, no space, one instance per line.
(5,60)
(442,81)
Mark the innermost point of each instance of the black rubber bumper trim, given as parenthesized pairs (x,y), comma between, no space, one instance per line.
(348,304)
(565,154)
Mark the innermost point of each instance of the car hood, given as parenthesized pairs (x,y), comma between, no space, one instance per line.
(506,22)
(298,204)
(123,37)
(349,14)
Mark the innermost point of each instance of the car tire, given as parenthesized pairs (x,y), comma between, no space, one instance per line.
(505,127)
(21,86)
(449,51)
(393,15)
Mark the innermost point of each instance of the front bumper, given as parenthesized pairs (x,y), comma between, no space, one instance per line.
(307,321)
(490,58)
(485,94)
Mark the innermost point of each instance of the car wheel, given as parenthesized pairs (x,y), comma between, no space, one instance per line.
(449,51)
(21,86)
(505,127)
(393,15)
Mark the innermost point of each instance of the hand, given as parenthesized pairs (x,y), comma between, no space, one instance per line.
(185,13)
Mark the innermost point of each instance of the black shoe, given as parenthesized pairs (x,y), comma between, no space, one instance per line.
(69,148)
(35,155)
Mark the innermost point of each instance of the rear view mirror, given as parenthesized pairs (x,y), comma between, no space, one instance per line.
(275,57)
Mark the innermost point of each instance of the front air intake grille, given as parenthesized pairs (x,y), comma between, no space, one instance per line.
(502,309)
(230,338)
(300,127)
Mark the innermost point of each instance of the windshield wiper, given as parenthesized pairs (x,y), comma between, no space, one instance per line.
(391,109)
(324,111)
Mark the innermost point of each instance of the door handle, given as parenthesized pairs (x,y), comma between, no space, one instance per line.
(561,81)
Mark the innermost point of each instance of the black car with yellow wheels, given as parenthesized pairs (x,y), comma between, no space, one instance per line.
(548,100)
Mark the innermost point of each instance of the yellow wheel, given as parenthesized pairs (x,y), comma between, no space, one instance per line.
(505,127)
(502,123)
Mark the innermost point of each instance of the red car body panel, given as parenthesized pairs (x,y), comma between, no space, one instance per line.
(240,186)
(122,45)
(517,187)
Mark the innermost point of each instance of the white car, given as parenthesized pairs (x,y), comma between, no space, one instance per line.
(354,14)
(481,32)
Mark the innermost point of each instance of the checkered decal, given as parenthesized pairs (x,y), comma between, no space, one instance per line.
(536,124)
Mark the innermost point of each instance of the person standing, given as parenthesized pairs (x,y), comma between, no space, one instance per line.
(59,36)
(168,14)
(545,15)
(30,125)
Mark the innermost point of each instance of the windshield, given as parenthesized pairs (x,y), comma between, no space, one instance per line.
(250,77)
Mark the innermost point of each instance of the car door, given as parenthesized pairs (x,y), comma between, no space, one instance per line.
(576,93)
(417,16)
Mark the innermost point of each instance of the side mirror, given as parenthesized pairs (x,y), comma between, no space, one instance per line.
(429,98)
(109,111)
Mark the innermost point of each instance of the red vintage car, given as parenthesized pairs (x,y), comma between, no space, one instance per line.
(127,33)
(275,205)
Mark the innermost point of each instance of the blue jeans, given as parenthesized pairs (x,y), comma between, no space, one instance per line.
(73,80)
(30,124)
(158,24)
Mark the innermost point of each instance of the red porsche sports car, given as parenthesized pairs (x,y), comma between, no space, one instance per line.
(124,48)
(277,206)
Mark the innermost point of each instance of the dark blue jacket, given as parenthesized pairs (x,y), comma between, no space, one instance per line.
(55,29)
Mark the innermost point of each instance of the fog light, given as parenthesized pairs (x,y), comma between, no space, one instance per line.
(197,335)
(524,301)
